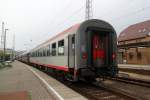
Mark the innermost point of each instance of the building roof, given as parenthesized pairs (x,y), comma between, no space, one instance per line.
(135,31)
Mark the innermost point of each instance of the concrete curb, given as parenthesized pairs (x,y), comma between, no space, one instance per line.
(50,89)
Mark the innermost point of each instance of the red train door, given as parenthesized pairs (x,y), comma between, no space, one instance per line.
(98,51)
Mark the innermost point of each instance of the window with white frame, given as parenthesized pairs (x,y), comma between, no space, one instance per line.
(54,49)
(61,47)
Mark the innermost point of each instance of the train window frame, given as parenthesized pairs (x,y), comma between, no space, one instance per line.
(73,42)
(36,53)
(33,53)
(61,48)
(48,50)
(44,52)
(53,49)
(41,54)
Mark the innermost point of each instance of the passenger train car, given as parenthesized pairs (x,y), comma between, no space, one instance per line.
(83,51)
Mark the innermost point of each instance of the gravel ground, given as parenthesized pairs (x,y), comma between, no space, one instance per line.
(135,90)
(134,75)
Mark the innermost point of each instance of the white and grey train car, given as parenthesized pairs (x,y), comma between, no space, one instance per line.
(83,51)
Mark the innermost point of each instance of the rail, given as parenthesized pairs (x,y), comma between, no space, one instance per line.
(134,81)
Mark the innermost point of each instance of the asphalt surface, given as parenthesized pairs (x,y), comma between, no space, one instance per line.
(20,78)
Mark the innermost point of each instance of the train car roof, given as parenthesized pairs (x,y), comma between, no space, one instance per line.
(77,27)
(72,28)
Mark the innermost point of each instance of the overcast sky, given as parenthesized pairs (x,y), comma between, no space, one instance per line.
(37,20)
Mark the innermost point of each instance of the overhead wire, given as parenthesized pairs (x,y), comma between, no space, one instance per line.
(58,13)
(71,16)
(76,12)
(133,13)
(130,4)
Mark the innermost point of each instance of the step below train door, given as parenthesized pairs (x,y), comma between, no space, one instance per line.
(71,51)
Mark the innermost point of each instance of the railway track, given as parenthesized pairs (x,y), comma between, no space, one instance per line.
(96,91)
(137,71)
(134,81)
(99,92)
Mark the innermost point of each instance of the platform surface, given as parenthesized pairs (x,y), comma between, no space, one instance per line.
(21,78)
(20,95)
(132,66)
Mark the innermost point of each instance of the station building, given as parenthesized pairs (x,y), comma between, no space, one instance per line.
(134,44)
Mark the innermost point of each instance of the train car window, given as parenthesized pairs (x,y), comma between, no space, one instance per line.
(45,51)
(48,50)
(44,54)
(36,53)
(54,49)
(33,53)
(61,47)
(40,52)
(73,42)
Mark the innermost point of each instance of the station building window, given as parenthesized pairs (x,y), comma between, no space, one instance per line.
(139,55)
(54,49)
(61,47)
(131,55)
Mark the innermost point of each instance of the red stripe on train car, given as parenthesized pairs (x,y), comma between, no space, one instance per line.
(64,68)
